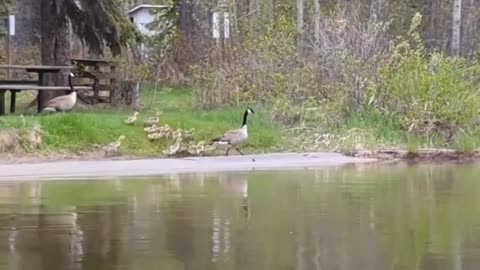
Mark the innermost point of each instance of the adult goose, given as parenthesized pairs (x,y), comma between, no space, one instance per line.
(236,137)
(65,102)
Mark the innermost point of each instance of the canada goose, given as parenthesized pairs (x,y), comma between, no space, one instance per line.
(131,119)
(153,120)
(114,146)
(236,137)
(65,102)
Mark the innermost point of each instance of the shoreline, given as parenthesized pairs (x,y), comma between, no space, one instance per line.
(421,155)
(96,169)
(95,164)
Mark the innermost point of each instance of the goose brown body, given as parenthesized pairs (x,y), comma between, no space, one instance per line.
(65,102)
(235,137)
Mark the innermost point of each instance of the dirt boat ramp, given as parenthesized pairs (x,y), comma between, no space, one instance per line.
(144,167)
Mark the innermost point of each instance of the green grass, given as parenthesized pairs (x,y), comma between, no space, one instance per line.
(83,128)
(87,127)
(371,130)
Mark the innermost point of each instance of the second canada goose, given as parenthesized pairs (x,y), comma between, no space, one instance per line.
(235,137)
(65,102)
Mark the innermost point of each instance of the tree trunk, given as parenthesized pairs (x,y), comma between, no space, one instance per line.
(27,34)
(240,16)
(269,9)
(195,33)
(470,24)
(300,6)
(376,10)
(456,28)
(254,6)
(316,20)
(128,94)
(55,45)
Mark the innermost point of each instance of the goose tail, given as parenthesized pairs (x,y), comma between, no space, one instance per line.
(214,140)
(49,109)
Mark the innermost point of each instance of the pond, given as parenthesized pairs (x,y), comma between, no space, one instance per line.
(395,216)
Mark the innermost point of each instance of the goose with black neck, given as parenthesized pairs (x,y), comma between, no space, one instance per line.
(236,137)
(65,102)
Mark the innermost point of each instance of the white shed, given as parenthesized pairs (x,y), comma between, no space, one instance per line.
(141,16)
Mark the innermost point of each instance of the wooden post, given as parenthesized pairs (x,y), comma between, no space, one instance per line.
(7,46)
(13,100)
(96,84)
(113,82)
(40,95)
(2,102)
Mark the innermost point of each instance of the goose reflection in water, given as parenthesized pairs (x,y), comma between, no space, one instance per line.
(237,185)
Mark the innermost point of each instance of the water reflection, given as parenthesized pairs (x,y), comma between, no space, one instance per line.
(368,217)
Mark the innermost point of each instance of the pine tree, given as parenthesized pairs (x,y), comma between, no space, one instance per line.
(99,24)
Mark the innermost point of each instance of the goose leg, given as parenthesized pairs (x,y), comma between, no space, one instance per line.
(239,151)
(228,149)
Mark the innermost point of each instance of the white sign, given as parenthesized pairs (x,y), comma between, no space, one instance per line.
(226,25)
(11,25)
(216,25)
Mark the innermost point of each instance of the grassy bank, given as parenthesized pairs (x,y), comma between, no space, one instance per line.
(400,95)
(86,128)
(372,131)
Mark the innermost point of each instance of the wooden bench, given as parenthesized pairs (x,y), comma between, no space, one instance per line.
(14,88)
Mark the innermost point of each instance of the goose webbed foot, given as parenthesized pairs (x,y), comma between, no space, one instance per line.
(238,150)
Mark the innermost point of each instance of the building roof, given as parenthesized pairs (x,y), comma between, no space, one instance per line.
(146,6)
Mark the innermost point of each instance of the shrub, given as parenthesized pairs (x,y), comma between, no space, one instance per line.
(434,93)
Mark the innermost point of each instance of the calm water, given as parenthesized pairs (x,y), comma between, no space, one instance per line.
(355,217)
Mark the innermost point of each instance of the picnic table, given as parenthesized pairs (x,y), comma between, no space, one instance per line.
(103,74)
(15,86)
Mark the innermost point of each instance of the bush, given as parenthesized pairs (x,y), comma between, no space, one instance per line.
(433,93)
(351,77)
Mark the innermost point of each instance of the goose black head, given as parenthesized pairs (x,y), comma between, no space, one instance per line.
(250,110)
(71,75)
